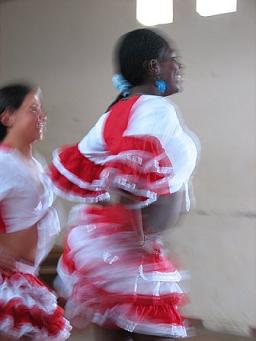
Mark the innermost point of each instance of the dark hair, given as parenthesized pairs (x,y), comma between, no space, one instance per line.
(133,50)
(11,98)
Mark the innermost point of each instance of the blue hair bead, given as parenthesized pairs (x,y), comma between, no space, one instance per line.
(121,84)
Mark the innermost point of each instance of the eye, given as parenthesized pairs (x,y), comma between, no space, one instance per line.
(35,110)
(175,59)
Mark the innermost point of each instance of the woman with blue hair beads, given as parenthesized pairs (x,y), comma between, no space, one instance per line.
(131,174)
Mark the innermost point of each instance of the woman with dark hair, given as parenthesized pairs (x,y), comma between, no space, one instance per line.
(134,166)
(28,222)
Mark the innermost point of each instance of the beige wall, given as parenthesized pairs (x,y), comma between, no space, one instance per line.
(65,46)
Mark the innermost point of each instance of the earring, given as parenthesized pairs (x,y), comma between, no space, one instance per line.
(161,86)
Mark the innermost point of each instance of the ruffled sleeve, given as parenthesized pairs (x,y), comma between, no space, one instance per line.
(75,177)
(129,148)
(139,163)
(157,117)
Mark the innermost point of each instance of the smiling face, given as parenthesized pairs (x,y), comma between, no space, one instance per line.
(28,121)
(170,70)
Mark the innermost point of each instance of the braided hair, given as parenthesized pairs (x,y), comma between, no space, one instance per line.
(133,50)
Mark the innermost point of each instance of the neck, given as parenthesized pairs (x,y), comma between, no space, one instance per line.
(23,147)
(144,89)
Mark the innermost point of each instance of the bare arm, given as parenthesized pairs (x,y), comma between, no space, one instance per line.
(163,213)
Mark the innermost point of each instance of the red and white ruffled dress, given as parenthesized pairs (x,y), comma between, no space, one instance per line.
(106,273)
(27,306)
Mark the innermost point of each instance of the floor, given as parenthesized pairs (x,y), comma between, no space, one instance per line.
(203,335)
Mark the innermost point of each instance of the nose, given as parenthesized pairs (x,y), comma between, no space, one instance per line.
(180,66)
(178,63)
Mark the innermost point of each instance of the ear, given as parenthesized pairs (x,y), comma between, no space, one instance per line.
(6,118)
(154,67)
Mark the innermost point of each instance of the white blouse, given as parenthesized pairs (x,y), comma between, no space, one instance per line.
(153,116)
(26,199)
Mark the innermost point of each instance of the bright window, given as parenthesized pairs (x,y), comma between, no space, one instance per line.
(213,7)
(154,12)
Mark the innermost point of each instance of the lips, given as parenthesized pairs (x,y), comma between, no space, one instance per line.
(41,126)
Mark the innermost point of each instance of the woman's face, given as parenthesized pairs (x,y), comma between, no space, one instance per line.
(29,120)
(170,72)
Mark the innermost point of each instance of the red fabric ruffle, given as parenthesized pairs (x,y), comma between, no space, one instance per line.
(137,164)
(32,316)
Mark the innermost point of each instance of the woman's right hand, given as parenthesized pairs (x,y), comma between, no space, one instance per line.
(7,260)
